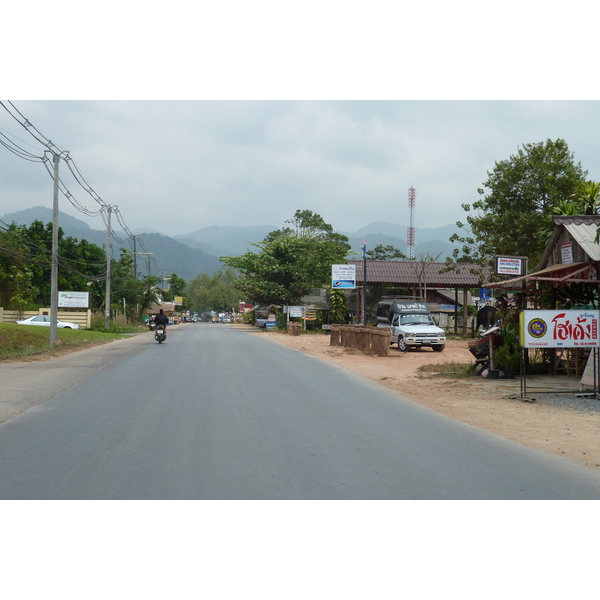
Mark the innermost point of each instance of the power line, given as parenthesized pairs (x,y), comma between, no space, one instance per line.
(14,112)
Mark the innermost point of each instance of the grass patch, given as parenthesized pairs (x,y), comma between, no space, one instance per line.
(22,341)
(449,370)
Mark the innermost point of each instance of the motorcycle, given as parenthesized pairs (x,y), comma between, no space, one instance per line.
(160,334)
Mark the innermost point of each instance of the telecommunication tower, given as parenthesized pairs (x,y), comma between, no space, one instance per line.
(410,237)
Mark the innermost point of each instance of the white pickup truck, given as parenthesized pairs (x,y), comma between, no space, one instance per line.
(411,325)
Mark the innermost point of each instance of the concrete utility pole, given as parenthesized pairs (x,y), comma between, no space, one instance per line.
(148,254)
(364,253)
(135,273)
(54,272)
(108,265)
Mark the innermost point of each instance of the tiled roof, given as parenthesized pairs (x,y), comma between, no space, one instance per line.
(404,272)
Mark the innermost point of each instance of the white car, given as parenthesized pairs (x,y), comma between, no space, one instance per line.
(44,320)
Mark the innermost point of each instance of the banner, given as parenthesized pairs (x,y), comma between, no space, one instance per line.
(559,328)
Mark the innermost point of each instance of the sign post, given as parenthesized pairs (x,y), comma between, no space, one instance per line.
(364,254)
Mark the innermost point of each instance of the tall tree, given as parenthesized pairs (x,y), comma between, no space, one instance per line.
(32,246)
(388,252)
(176,287)
(213,292)
(516,198)
(290,261)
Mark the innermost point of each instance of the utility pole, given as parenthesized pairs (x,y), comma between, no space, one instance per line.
(148,254)
(54,272)
(364,253)
(108,265)
(135,276)
(135,273)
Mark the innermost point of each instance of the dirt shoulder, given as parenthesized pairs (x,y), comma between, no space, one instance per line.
(495,406)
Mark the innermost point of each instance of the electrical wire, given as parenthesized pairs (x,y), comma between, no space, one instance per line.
(14,112)
(18,151)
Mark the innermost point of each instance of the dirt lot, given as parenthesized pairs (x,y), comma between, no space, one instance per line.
(492,405)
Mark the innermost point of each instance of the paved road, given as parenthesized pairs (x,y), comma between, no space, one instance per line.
(216,413)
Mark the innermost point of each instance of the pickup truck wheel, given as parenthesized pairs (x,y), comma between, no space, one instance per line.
(402,344)
(438,348)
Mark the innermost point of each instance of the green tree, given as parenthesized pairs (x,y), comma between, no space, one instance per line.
(123,286)
(213,292)
(79,261)
(12,258)
(147,292)
(309,225)
(177,287)
(290,261)
(587,197)
(23,291)
(337,301)
(516,199)
(388,252)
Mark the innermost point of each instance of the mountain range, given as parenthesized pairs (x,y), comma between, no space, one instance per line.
(198,252)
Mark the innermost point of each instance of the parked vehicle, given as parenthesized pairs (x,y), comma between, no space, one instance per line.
(44,321)
(411,324)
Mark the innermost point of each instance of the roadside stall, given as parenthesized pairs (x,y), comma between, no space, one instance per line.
(558,302)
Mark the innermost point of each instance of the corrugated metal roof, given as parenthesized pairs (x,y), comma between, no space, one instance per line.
(585,235)
(401,272)
(555,273)
(582,228)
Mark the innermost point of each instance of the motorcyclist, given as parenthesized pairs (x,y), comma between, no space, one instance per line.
(161,319)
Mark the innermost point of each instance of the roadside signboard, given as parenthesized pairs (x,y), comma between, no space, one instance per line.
(73,299)
(343,277)
(566,252)
(309,314)
(559,328)
(511,265)
(293,311)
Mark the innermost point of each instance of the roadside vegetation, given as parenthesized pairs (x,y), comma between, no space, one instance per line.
(448,370)
(27,342)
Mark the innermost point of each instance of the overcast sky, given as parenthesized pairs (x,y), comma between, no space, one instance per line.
(273,122)
(178,166)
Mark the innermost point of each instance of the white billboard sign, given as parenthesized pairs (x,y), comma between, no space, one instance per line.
(293,311)
(510,265)
(343,276)
(559,328)
(73,299)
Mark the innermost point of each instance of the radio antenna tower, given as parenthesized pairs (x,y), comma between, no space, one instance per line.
(410,238)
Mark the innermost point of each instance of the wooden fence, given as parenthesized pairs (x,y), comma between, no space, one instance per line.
(83,318)
(372,340)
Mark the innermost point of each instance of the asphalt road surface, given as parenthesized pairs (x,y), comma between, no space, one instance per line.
(218,413)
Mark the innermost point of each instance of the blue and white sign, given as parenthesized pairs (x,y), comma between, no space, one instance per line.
(343,277)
